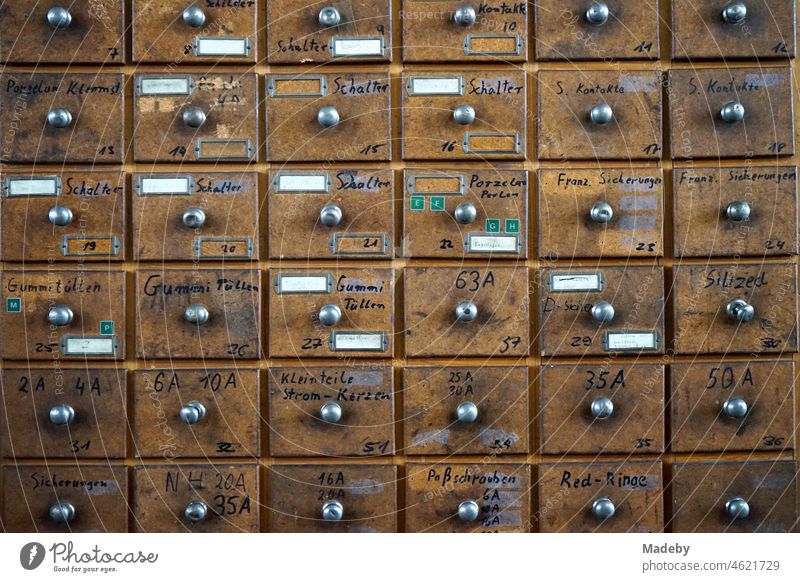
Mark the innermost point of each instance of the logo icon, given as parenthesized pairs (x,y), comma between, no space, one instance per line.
(31,555)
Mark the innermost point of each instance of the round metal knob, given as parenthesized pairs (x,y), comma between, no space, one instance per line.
(740,310)
(63,512)
(603,312)
(193,218)
(734,13)
(60,215)
(59,118)
(59,17)
(329,16)
(194,117)
(464,114)
(465,15)
(738,211)
(467,412)
(194,16)
(193,412)
(737,508)
(466,311)
(60,315)
(330,412)
(466,213)
(332,511)
(468,511)
(732,112)
(196,313)
(601,114)
(601,212)
(330,315)
(62,414)
(603,508)
(735,407)
(328,116)
(597,13)
(196,511)
(602,408)
(330,215)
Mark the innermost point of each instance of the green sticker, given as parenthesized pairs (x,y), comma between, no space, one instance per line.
(437,203)
(14,304)
(417,203)
(492,225)
(512,225)
(106,328)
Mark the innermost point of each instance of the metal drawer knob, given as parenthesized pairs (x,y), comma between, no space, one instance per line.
(734,13)
(193,412)
(735,407)
(466,213)
(465,15)
(601,212)
(193,218)
(194,117)
(597,13)
(602,408)
(194,16)
(59,17)
(603,312)
(196,511)
(331,412)
(329,16)
(328,116)
(62,414)
(63,512)
(603,508)
(467,412)
(329,315)
(196,313)
(464,114)
(732,112)
(59,118)
(468,511)
(737,508)
(740,310)
(466,311)
(60,315)
(332,511)
(330,215)
(60,215)
(738,211)
(601,114)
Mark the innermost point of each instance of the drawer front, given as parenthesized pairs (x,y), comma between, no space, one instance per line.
(318,313)
(196,498)
(604,213)
(186,217)
(203,412)
(71,413)
(309,498)
(568,30)
(472,115)
(460,498)
(72,216)
(176,31)
(754,496)
(331,411)
(203,118)
(466,410)
(28,36)
(604,408)
(72,314)
(731,406)
(705,29)
(62,117)
(448,213)
(600,115)
(749,211)
(470,311)
(322,214)
(201,313)
(606,497)
(307,31)
(449,30)
(706,103)
(601,311)
(65,498)
(713,303)
(329,117)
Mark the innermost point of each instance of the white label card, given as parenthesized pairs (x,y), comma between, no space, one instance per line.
(88,346)
(353,342)
(303,283)
(221,47)
(303,183)
(436,85)
(635,340)
(176,185)
(488,243)
(576,282)
(358,47)
(33,186)
(165,86)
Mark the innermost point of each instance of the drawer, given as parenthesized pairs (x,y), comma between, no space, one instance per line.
(574,30)
(69,498)
(591,312)
(716,29)
(329,117)
(196,498)
(319,313)
(599,115)
(44,32)
(747,211)
(70,315)
(62,117)
(732,406)
(731,113)
(333,498)
(448,213)
(754,496)
(71,215)
(331,411)
(323,214)
(466,410)
(605,408)
(199,118)
(66,413)
(603,213)
(460,498)
(196,412)
(181,32)
(195,216)
(479,114)
(308,31)
(735,308)
(199,313)
(452,30)
(603,497)
(469,311)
